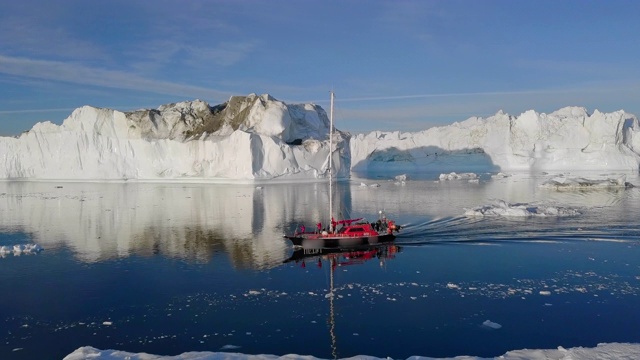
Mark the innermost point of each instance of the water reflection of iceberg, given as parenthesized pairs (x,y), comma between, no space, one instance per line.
(190,221)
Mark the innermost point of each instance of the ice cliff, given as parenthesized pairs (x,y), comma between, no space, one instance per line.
(260,138)
(567,139)
(248,137)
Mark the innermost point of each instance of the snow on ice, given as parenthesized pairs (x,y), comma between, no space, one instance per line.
(260,138)
(605,351)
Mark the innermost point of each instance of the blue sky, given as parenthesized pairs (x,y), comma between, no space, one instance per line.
(394,65)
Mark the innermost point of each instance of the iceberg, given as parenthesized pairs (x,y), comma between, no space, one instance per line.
(248,137)
(567,139)
(604,351)
(261,138)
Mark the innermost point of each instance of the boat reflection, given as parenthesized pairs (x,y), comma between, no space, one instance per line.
(345,256)
(338,257)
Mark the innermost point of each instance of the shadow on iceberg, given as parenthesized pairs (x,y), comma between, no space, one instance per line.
(425,159)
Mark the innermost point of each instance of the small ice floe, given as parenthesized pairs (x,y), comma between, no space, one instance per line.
(107,323)
(456,176)
(259,187)
(492,325)
(452,286)
(503,208)
(230,347)
(564,183)
(363,184)
(402,177)
(20,249)
(500,175)
(545,292)
(374,185)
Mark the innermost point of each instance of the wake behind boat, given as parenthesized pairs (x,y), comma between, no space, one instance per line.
(346,232)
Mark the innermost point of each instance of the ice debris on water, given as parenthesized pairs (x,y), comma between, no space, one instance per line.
(503,208)
(230,347)
(456,176)
(491,324)
(19,249)
(565,183)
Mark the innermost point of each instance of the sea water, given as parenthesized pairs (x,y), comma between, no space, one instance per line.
(166,268)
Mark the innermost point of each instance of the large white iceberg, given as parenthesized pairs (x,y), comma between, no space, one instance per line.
(567,139)
(604,351)
(250,137)
(260,138)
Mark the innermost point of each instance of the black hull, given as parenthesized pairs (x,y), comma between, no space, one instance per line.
(339,241)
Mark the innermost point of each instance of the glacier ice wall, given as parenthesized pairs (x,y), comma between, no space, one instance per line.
(252,138)
(567,139)
(260,138)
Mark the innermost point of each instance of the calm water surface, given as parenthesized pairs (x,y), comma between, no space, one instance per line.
(170,268)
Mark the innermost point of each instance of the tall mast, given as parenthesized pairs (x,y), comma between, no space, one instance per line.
(331,160)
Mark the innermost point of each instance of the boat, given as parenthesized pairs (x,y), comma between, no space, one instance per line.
(343,232)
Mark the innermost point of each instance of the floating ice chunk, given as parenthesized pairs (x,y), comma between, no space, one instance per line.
(502,208)
(563,183)
(374,185)
(500,175)
(19,249)
(452,286)
(32,248)
(402,177)
(456,176)
(491,324)
(363,184)
(545,292)
(107,323)
(230,347)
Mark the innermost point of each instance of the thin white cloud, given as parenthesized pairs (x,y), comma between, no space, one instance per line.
(81,74)
(27,35)
(225,54)
(29,111)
